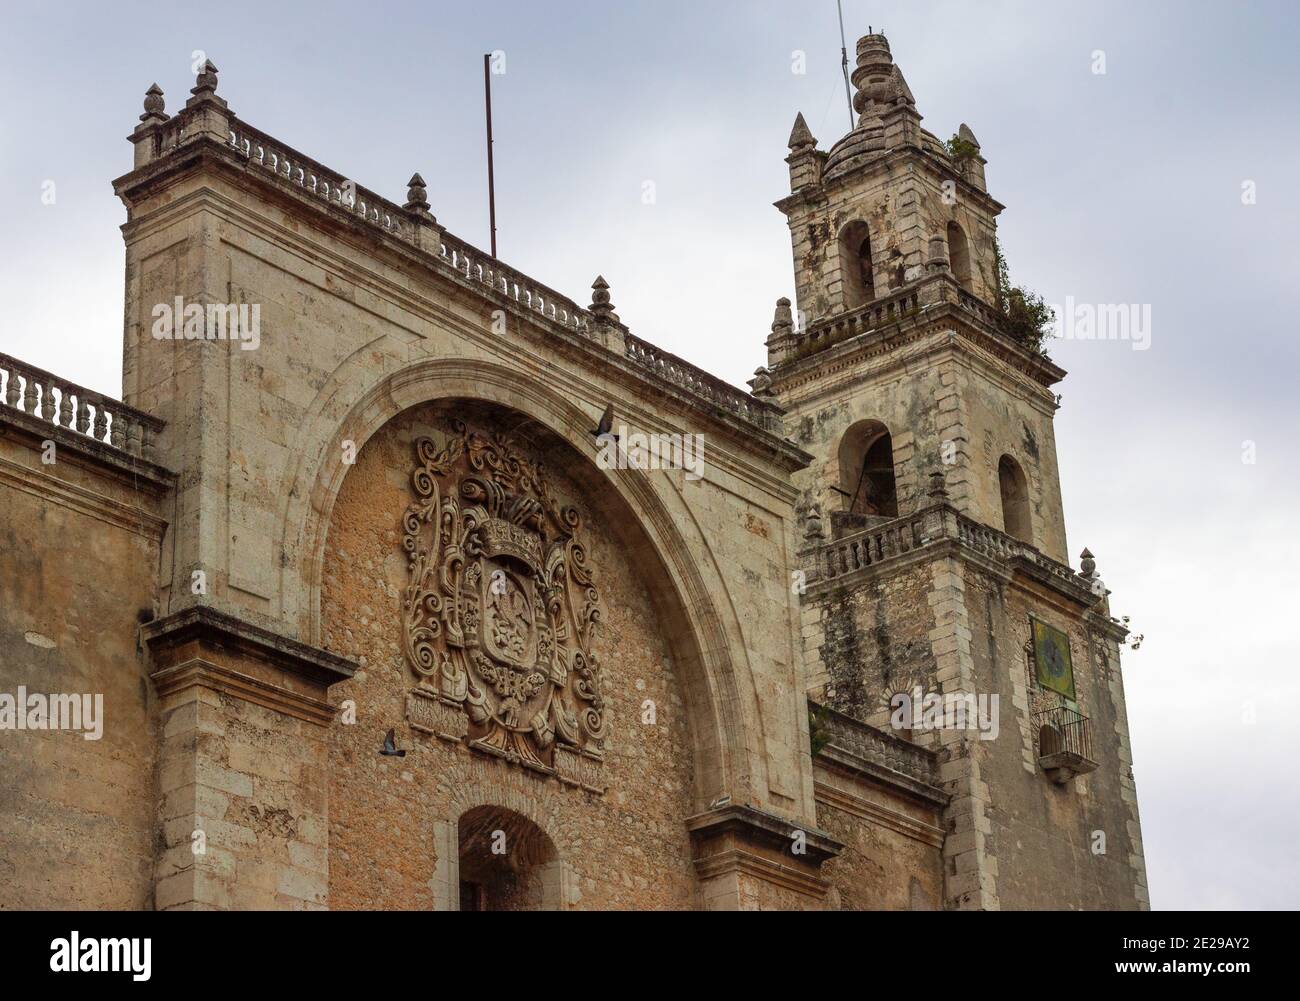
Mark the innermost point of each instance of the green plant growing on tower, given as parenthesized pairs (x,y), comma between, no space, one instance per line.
(961,149)
(1022,313)
(819,733)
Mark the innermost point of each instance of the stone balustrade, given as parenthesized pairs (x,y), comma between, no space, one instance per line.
(478,266)
(47,397)
(302,172)
(871,546)
(999,545)
(938,523)
(700,383)
(930,292)
(160,136)
(877,747)
(878,313)
(976,306)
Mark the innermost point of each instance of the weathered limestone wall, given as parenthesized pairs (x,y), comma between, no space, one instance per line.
(903,209)
(878,634)
(627,848)
(79,551)
(1042,834)
(822,412)
(1004,413)
(869,639)
(949,408)
(892,858)
(243,807)
(1011,837)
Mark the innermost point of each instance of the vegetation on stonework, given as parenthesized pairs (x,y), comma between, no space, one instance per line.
(1023,315)
(960,149)
(819,733)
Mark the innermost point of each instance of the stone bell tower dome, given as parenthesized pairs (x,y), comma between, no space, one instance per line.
(893,183)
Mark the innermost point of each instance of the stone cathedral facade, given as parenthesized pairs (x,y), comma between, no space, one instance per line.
(364,620)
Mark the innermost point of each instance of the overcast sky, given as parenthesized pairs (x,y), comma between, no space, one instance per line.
(1122,187)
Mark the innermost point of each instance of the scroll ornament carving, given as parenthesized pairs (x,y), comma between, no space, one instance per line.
(500,609)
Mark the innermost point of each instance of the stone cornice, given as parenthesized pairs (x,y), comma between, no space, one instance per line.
(131,517)
(849,355)
(219,678)
(601,345)
(864,809)
(765,869)
(759,827)
(210,628)
(121,465)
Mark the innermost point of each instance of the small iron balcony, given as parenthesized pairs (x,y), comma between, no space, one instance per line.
(1064,743)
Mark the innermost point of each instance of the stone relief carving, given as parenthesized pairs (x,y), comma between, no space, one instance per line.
(500,609)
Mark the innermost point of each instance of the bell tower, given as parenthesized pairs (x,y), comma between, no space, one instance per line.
(931,534)
(896,344)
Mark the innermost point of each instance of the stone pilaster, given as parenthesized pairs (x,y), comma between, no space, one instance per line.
(952,428)
(749,860)
(1110,670)
(970,870)
(242,764)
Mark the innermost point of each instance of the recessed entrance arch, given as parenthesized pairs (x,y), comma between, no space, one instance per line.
(720,694)
(505,862)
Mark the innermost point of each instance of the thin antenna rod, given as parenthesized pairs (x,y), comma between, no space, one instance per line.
(844,62)
(492,191)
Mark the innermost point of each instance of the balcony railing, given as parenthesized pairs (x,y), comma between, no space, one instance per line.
(1064,743)
(48,398)
(700,383)
(874,545)
(938,523)
(331,188)
(877,747)
(879,313)
(991,542)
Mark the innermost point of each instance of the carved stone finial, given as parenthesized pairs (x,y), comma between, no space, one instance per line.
(938,489)
(153,105)
(813,531)
(417,195)
(800,136)
(205,82)
(602,308)
(878,81)
(966,135)
(782,319)
(761,384)
(1087,564)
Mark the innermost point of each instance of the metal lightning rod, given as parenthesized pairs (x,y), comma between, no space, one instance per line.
(492,193)
(844,62)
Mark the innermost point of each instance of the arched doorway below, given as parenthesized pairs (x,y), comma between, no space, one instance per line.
(504,862)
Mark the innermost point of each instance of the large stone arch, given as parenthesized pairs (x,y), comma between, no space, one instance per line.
(720,697)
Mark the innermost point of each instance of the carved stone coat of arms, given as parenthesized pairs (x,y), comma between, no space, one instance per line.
(500,607)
